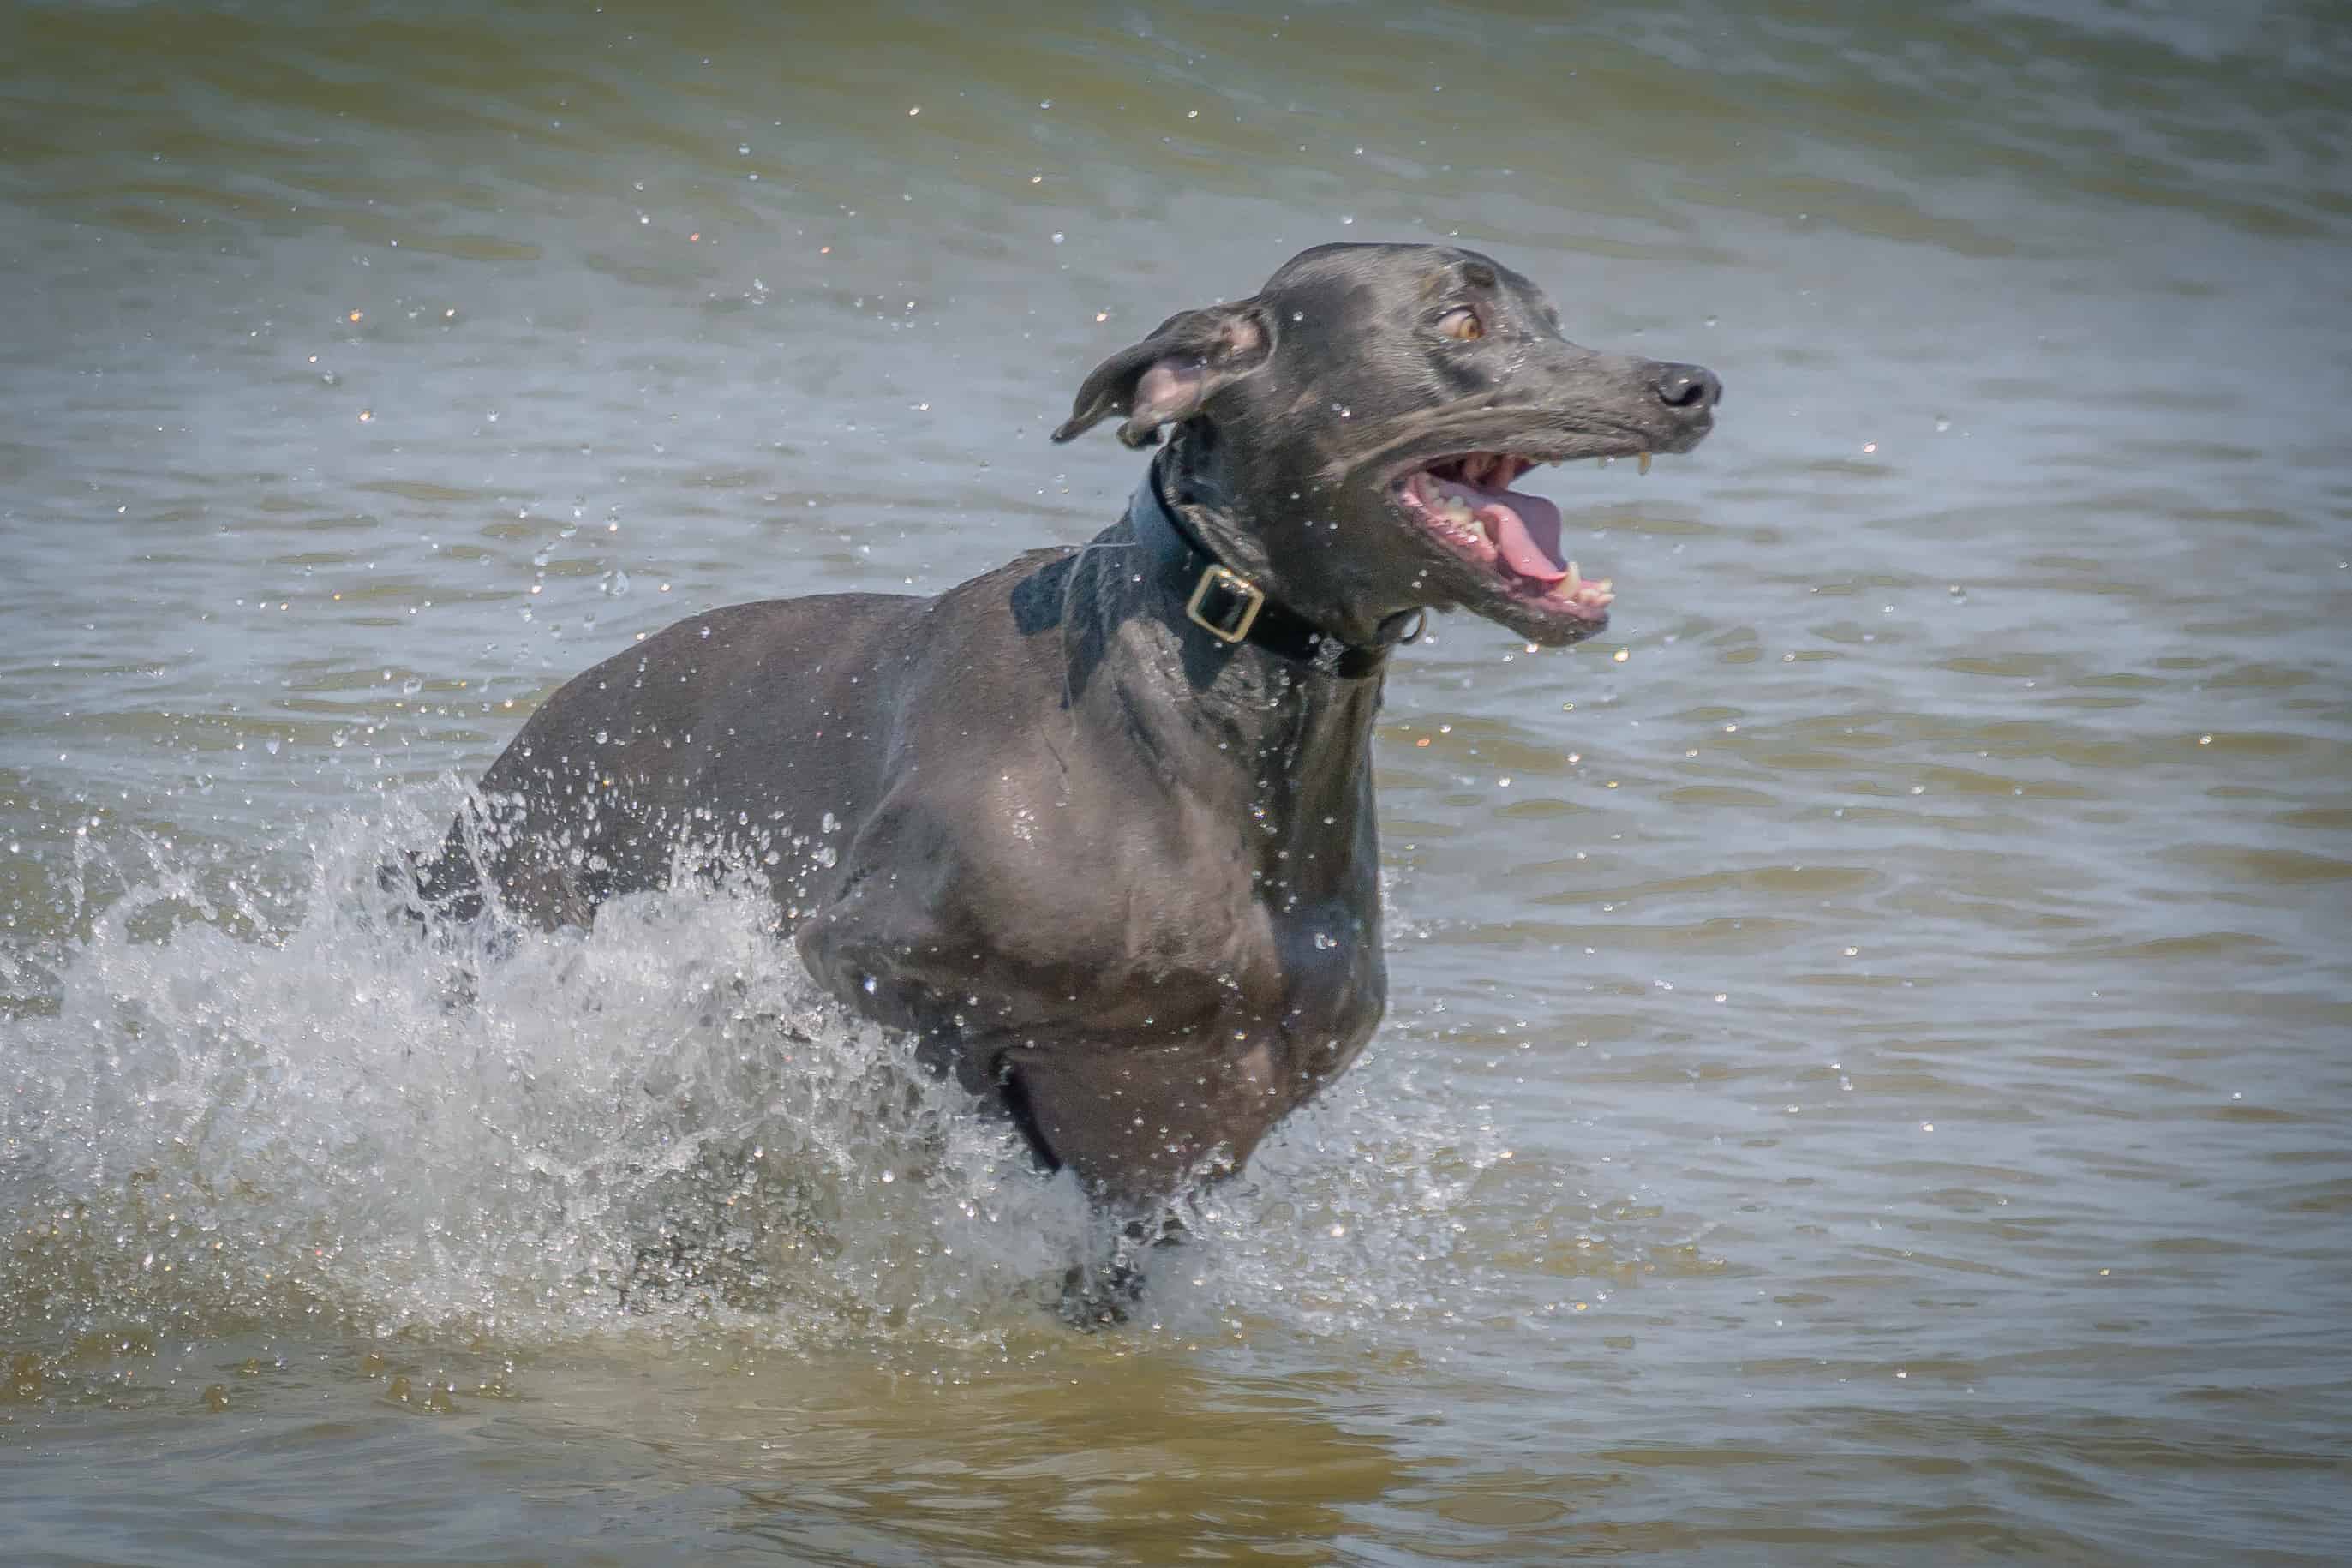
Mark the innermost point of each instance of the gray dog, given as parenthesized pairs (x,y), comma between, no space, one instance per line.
(1097,826)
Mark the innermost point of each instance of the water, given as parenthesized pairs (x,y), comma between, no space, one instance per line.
(1867,1077)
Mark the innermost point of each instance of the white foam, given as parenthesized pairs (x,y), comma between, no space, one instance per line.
(248,1103)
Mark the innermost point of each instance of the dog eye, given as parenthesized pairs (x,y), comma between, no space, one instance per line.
(1462,325)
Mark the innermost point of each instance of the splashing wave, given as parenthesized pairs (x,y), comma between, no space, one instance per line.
(235,1100)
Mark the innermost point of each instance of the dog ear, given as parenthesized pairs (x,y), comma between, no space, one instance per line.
(1172,374)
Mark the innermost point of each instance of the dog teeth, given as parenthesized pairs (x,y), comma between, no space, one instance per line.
(1598,593)
(1645,462)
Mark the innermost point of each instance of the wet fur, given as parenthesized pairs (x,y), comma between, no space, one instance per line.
(1119,879)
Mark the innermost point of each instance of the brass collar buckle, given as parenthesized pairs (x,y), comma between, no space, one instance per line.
(1247,600)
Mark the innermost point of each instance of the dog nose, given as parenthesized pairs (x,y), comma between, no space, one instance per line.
(1689,389)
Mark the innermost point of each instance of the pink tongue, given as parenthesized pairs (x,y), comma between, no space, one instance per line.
(1526,528)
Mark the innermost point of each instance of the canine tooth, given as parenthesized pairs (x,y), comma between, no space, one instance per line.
(1607,586)
(1645,462)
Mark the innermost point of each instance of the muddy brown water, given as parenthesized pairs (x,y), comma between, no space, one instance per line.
(1868,1077)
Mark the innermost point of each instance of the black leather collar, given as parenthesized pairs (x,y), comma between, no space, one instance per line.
(1227,607)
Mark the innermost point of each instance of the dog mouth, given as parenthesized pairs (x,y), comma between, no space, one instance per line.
(1466,504)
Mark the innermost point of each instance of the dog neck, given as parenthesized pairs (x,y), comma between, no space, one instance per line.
(1232,593)
(1269,732)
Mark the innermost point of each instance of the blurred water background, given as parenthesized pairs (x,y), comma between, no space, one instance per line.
(1868,1077)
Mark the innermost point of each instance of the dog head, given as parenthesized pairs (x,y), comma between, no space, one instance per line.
(1354,431)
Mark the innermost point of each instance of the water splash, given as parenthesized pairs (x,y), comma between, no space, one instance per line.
(238,1099)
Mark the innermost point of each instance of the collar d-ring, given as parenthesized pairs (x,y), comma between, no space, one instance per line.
(1413,622)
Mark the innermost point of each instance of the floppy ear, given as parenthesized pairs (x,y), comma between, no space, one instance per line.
(1173,373)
